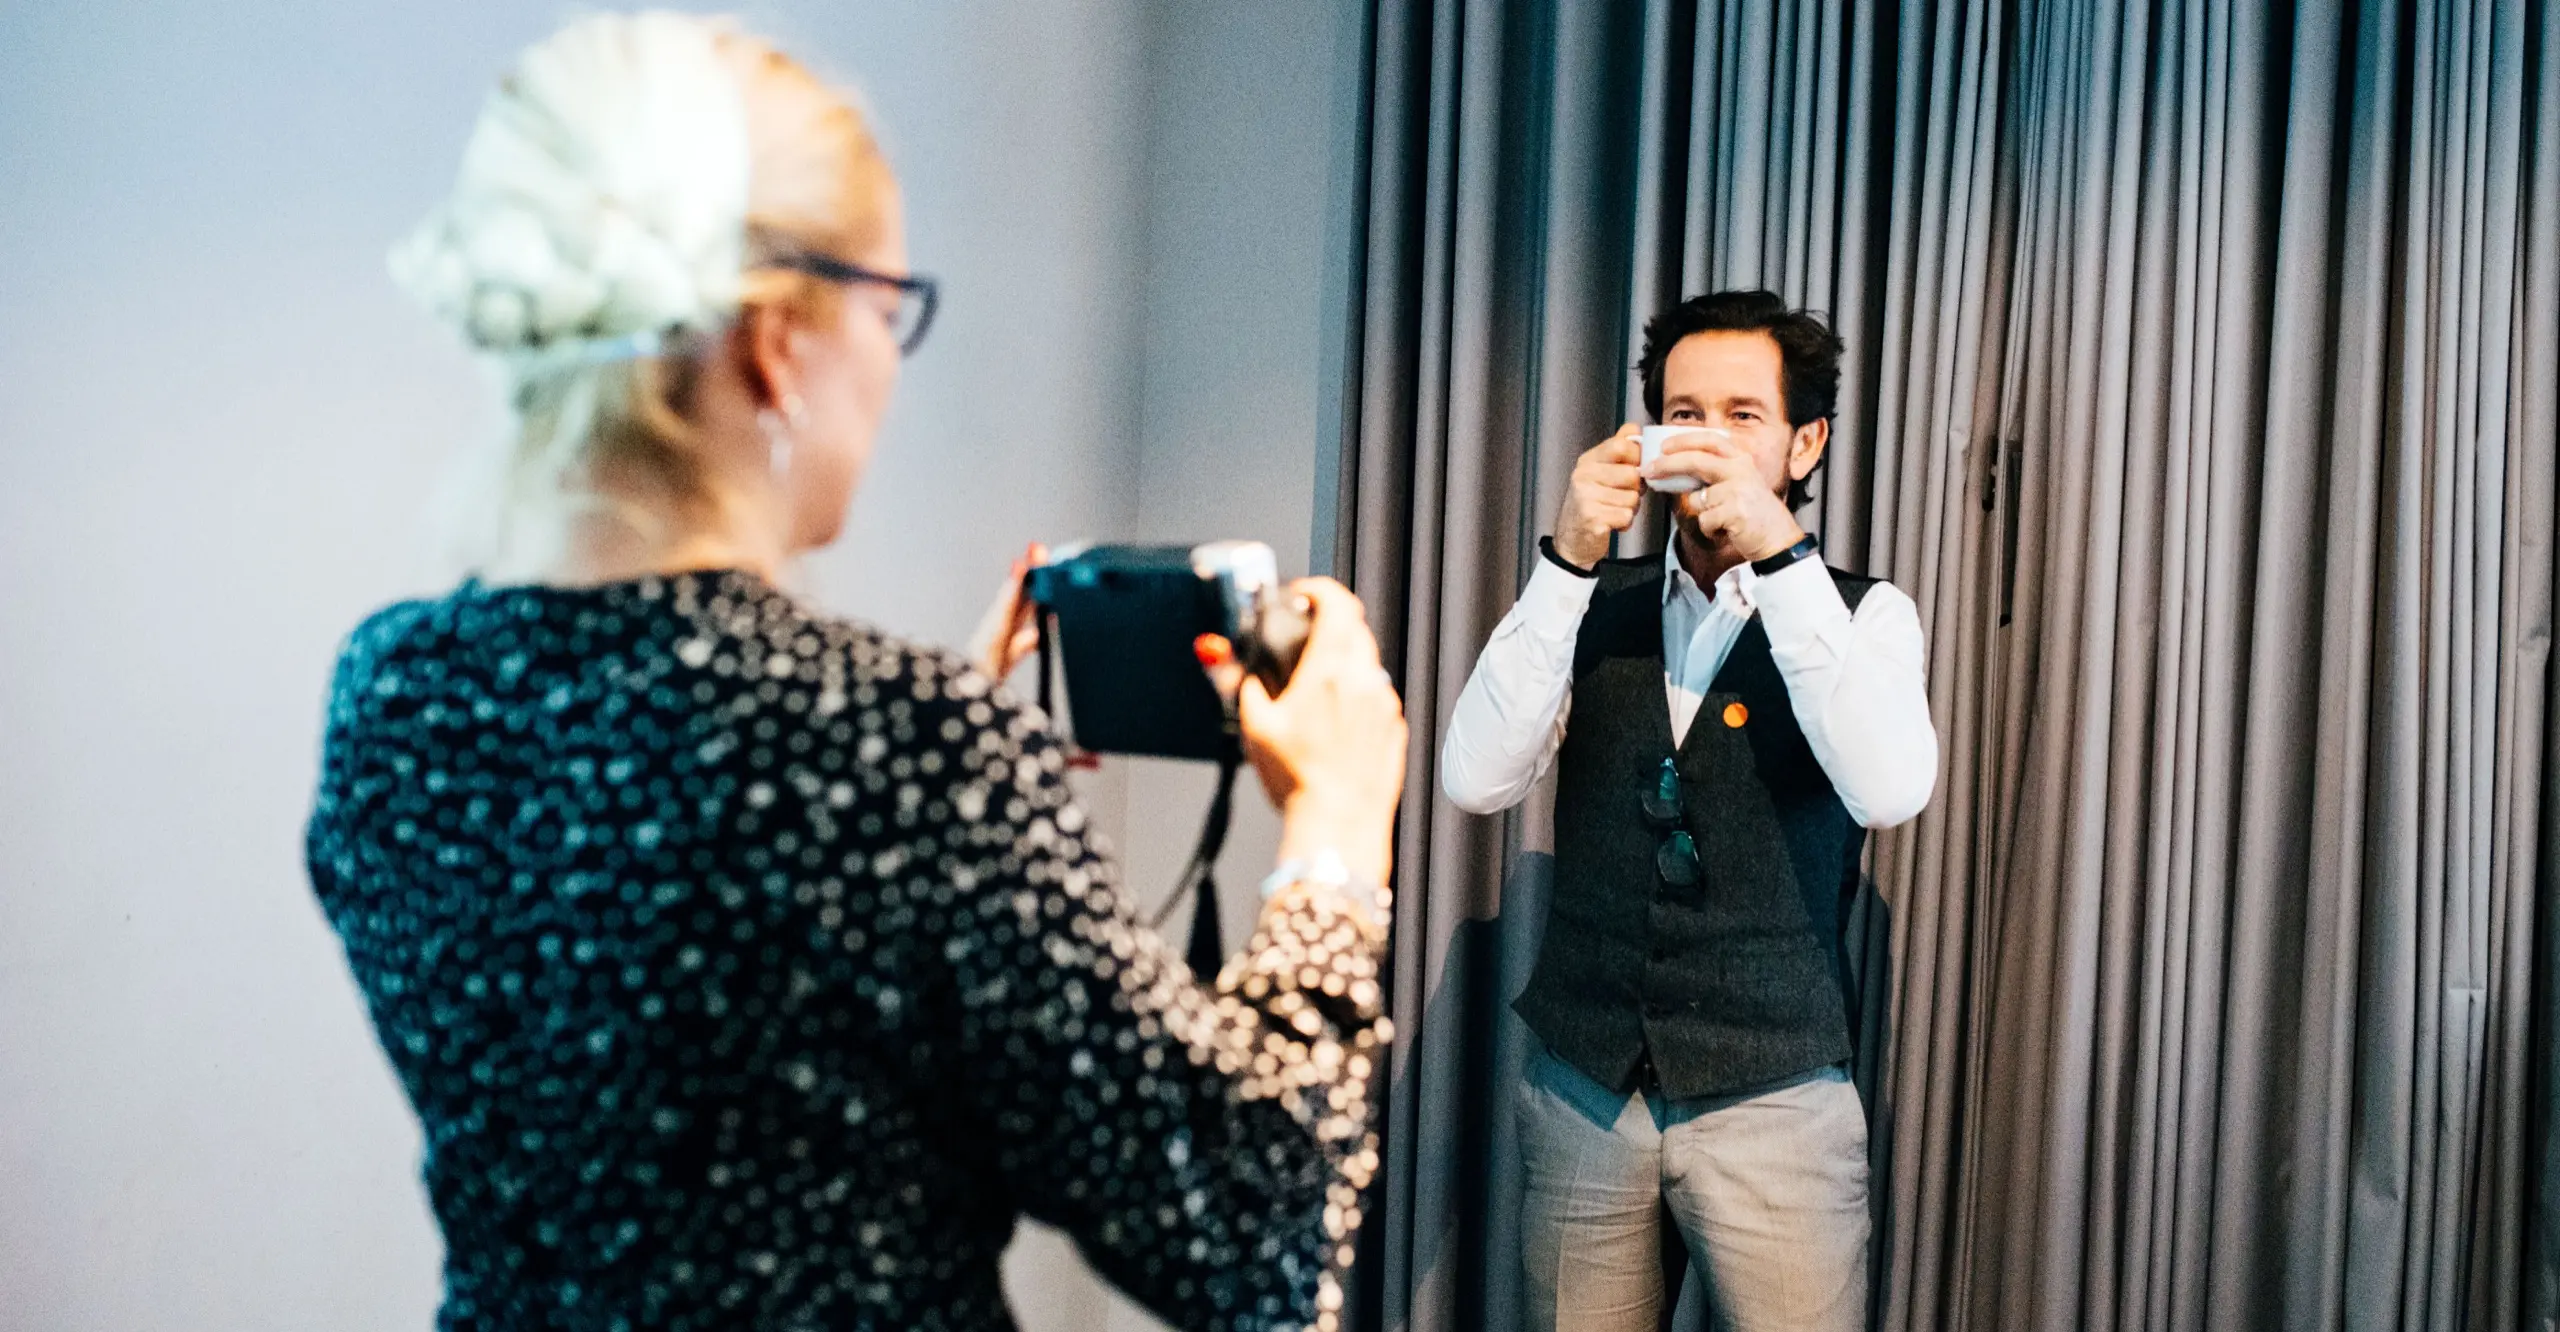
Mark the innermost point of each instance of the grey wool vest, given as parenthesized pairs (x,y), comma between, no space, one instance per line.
(1737,981)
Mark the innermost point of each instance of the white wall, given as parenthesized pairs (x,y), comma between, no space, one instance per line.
(217,423)
(1243,179)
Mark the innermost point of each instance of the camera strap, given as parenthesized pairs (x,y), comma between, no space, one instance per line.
(1206,950)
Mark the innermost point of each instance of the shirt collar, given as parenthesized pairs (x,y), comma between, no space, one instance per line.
(1734,588)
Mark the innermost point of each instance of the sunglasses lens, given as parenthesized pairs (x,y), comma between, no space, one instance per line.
(1677,860)
(1662,803)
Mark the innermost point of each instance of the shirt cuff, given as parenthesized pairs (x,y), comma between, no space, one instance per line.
(1799,605)
(1553,602)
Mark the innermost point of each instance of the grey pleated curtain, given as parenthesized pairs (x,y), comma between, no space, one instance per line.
(1436,490)
(2200,388)
(2244,672)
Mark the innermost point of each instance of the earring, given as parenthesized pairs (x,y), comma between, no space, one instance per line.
(777,434)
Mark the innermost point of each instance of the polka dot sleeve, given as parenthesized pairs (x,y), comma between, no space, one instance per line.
(1206,1146)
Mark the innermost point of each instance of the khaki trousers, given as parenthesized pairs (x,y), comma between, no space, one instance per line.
(1768,1190)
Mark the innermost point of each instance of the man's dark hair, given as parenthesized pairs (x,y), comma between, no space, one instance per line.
(1808,356)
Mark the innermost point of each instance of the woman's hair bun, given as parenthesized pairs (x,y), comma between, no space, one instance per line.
(603,195)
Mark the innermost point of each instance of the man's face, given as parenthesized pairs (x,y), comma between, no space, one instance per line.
(1735,380)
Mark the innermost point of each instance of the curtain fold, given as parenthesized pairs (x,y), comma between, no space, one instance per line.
(2200,389)
(1481,261)
(2533,555)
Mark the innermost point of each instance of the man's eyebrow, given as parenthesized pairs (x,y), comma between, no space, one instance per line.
(1746,400)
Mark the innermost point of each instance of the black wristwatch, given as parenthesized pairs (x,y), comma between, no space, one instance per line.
(1790,555)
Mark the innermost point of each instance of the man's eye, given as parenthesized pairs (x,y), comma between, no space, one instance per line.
(1745,416)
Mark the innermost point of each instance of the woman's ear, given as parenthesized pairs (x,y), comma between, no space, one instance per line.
(1806,450)
(761,341)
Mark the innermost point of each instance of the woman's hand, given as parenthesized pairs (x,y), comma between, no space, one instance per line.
(1008,632)
(1331,748)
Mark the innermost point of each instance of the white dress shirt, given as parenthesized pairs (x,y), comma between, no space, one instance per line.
(1857,683)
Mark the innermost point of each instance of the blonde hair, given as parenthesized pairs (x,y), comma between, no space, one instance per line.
(621,194)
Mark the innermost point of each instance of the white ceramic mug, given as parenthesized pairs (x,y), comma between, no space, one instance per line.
(1654,435)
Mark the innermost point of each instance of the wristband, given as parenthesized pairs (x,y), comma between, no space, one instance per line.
(1547,547)
(1790,555)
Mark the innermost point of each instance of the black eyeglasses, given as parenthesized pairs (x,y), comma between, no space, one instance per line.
(916,295)
(1677,858)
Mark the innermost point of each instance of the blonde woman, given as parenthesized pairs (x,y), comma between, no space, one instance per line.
(749,968)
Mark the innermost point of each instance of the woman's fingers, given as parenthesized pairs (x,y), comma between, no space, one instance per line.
(1218,657)
(1338,625)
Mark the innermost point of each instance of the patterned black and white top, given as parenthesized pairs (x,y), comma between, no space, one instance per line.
(752,969)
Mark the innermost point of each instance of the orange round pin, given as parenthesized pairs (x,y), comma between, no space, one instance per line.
(1735,715)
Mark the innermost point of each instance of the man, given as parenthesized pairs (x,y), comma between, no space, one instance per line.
(1726,720)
